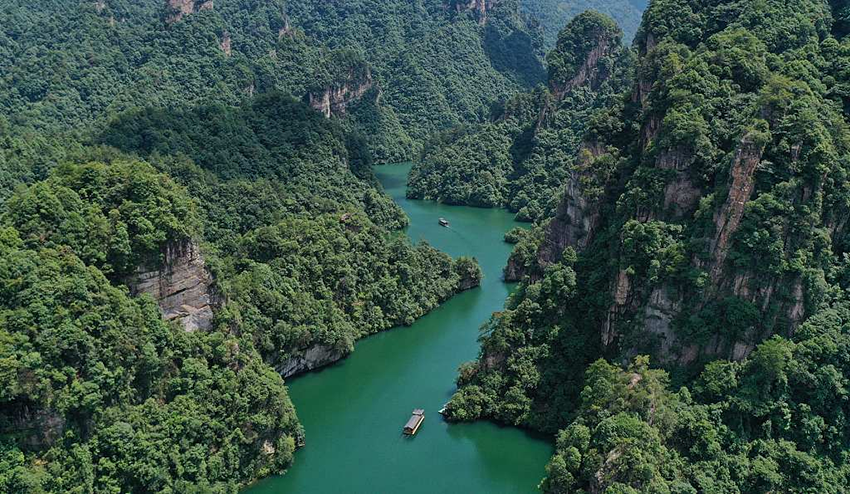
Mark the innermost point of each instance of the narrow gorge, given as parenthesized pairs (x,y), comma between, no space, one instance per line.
(601,245)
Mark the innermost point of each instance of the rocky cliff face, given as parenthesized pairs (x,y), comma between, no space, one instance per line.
(701,185)
(480,8)
(582,58)
(37,428)
(728,217)
(309,359)
(334,98)
(590,73)
(182,286)
(225,45)
(179,8)
(575,222)
(578,215)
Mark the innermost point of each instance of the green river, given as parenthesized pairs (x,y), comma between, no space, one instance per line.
(353,411)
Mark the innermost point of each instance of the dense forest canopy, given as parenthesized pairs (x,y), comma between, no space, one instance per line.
(681,322)
(134,132)
(521,158)
(294,229)
(682,319)
(406,68)
(99,392)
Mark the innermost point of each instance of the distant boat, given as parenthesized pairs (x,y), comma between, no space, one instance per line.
(443,410)
(444,222)
(414,422)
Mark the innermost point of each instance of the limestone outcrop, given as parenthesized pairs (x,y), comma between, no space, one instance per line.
(309,359)
(334,99)
(182,286)
(179,8)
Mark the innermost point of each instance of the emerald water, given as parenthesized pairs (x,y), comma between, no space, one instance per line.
(353,411)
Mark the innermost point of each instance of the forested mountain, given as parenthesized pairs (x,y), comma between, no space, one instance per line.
(702,231)
(98,391)
(553,15)
(188,214)
(521,158)
(400,69)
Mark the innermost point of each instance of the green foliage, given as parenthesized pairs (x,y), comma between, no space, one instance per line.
(98,393)
(115,217)
(516,235)
(718,245)
(437,67)
(128,128)
(70,66)
(772,422)
(504,383)
(329,281)
(553,15)
(523,158)
(586,32)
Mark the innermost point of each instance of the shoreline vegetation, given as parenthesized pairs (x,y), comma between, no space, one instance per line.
(143,131)
(681,322)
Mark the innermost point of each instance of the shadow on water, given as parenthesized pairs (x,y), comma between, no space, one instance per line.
(353,411)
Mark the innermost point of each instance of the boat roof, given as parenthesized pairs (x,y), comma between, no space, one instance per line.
(419,411)
(411,423)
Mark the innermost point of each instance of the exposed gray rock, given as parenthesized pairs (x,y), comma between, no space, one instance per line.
(181,286)
(680,195)
(589,74)
(658,317)
(312,358)
(179,8)
(225,47)
(335,99)
(37,429)
(726,219)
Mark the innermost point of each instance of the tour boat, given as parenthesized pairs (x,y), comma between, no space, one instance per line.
(414,422)
(444,222)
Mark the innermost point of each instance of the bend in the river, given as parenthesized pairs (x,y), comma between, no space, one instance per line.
(353,411)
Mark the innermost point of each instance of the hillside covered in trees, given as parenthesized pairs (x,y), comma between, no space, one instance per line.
(681,324)
(521,158)
(397,70)
(553,15)
(188,215)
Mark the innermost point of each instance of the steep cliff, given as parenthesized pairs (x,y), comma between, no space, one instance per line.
(524,157)
(181,286)
(687,181)
(739,241)
(705,213)
(178,8)
(579,57)
(575,221)
(335,97)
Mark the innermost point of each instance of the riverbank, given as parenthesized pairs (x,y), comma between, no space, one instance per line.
(353,411)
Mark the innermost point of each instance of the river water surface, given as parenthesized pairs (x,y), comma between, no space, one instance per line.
(353,411)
